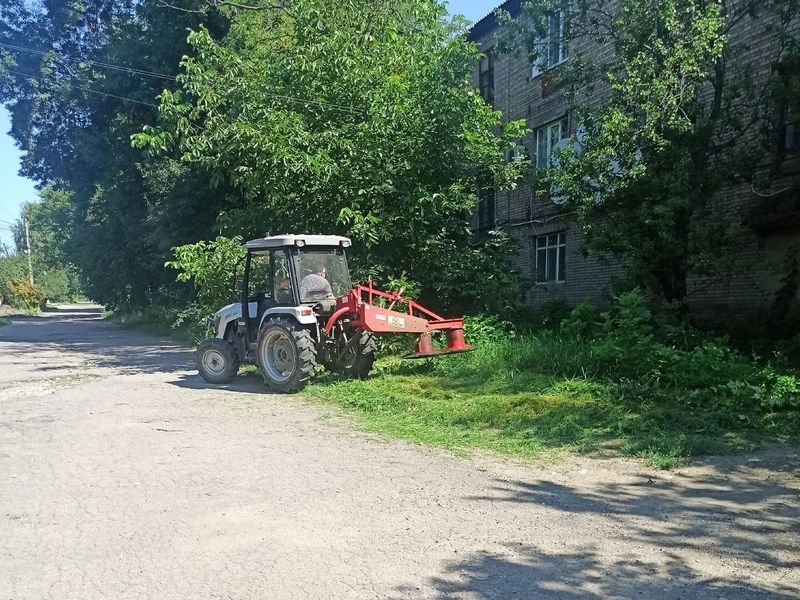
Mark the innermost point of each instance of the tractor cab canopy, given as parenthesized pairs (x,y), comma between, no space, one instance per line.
(298,269)
(299,241)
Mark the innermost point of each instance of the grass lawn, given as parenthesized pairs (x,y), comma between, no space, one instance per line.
(460,405)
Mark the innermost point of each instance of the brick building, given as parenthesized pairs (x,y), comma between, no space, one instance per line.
(550,252)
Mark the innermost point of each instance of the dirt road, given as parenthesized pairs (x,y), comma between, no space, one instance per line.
(122,476)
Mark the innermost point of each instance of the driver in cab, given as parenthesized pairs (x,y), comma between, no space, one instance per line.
(315,287)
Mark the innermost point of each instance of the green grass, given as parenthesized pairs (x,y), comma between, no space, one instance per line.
(532,398)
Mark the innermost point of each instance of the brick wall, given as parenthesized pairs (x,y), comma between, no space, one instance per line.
(521,95)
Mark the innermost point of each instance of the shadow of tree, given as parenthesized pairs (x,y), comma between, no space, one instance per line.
(535,575)
(100,343)
(708,533)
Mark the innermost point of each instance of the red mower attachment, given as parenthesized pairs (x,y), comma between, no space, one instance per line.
(358,306)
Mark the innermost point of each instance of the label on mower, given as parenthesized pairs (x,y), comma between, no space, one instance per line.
(397,322)
(380,317)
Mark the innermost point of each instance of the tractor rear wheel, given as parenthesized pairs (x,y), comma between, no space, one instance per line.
(356,362)
(286,355)
(216,360)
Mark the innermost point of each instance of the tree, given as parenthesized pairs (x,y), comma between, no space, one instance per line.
(80,79)
(51,223)
(345,117)
(671,117)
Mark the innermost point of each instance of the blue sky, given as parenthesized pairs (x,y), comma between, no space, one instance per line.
(14,190)
(473,9)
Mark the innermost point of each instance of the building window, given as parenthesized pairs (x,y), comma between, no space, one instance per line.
(786,95)
(546,139)
(551,50)
(486,77)
(791,137)
(486,212)
(551,253)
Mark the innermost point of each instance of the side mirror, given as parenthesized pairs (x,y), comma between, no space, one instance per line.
(240,286)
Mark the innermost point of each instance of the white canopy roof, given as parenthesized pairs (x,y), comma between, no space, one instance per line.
(280,241)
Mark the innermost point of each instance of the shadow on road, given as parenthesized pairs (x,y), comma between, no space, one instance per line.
(719,514)
(82,330)
(248,384)
(587,575)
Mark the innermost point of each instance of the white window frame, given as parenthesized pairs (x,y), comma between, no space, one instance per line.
(552,241)
(562,126)
(544,63)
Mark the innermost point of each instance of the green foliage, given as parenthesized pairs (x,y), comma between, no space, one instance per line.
(56,285)
(213,268)
(669,118)
(25,295)
(487,329)
(583,321)
(12,268)
(604,381)
(341,118)
(108,216)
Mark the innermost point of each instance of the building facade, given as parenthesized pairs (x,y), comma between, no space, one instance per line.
(550,253)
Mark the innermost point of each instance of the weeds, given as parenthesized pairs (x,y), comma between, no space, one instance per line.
(604,383)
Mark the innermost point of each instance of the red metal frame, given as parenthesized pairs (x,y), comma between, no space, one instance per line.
(359,306)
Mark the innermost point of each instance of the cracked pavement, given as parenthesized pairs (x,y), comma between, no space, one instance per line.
(123,475)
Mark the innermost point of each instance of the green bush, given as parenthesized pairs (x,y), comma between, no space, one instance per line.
(212,267)
(26,295)
(484,329)
(12,268)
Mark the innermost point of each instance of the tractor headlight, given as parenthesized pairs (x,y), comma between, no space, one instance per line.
(345,243)
(300,243)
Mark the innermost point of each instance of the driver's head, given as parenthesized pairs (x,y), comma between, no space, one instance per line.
(314,264)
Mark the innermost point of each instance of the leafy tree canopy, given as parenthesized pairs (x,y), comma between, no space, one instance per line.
(79,79)
(352,117)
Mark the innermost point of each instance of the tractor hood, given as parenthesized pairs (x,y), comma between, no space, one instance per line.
(234,311)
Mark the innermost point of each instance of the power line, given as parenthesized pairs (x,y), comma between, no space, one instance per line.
(105,65)
(144,73)
(85,89)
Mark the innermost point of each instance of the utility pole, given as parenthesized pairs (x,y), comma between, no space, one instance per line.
(28,244)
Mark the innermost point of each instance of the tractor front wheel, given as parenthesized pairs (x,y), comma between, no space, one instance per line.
(216,360)
(287,355)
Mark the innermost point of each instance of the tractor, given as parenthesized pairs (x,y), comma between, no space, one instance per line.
(298,308)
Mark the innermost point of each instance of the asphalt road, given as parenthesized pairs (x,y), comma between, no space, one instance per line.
(122,475)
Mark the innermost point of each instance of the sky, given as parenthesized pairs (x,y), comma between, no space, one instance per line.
(15,190)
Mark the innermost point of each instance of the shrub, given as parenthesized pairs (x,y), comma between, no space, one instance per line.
(485,329)
(212,267)
(778,391)
(26,295)
(582,322)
